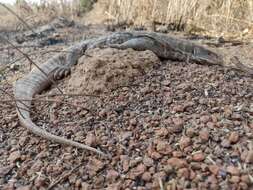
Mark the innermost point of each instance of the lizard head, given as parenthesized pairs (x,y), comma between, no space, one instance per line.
(203,55)
(119,37)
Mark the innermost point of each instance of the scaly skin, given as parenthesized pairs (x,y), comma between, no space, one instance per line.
(59,66)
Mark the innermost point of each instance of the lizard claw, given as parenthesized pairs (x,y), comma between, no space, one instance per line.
(61,72)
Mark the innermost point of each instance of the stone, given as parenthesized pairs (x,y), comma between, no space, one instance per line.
(148,161)
(204,135)
(146,176)
(249,157)
(163,147)
(14,156)
(233,170)
(184,142)
(91,139)
(112,175)
(205,119)
(234,179)
(198,157)
(177,163)
(234,137)
(214,169)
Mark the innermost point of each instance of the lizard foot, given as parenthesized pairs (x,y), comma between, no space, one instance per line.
(61,72)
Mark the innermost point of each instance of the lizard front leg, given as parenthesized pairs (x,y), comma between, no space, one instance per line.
(66,62)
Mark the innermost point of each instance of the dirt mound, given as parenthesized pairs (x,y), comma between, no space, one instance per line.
(101,70)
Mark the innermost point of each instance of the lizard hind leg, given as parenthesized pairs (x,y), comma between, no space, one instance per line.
(61,72)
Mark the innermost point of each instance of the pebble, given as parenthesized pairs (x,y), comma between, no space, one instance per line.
(184,142)
(112,175)
(163,147)
(214,169)
(85,186)
(233,170)
(198,157)
(148,161)
(137,171)
(243,186)
(6,169)
(183,172)
(178,108)
(177,154)
(204,135)
(245,179)
(176,162)
(233,137)
(14,67)
(178,125)
(234,179)
(161,132)
(91,139)
(26,187)
(78,183)
(133,122)
(210,124)
(205,119)
(171,162)
(146,176)
(225,143)
(249,157)
(190,132)
(236,116)
(14,156)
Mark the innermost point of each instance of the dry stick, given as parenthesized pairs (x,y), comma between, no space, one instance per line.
(7,103)
(26,46)
(32,62)
(71,95)
(64,177)
(20,58)
(12,97)
(86,147)
(49,101)
(27,25)
(42,53)
(15,102)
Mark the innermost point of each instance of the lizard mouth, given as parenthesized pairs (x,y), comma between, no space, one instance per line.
(206,56)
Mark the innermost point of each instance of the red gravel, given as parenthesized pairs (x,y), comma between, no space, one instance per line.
(183,126)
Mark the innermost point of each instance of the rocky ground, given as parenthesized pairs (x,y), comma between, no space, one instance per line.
(178,126)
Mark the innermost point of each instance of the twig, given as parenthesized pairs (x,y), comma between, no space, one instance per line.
(32,62)
(26,46)
(71,95)
(42,53)
(15,102)
(13,98)
(160,183)
(39,100)
(22,20)
(64,177)
(7,103)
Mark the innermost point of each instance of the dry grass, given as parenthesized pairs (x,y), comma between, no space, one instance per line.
(212,16)
(35,14)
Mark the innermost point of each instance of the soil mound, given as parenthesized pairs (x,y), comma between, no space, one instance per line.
(102,70)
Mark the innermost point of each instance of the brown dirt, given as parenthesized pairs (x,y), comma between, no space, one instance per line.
(180,125)
(107,69)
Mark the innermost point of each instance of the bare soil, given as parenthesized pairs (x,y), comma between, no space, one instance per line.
(175,126)
(101,70)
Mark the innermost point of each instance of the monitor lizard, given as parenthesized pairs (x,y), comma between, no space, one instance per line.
(57,67)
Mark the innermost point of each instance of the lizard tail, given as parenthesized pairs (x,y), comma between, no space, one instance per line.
(24,91)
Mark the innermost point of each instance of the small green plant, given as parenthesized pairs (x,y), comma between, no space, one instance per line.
(86,5)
